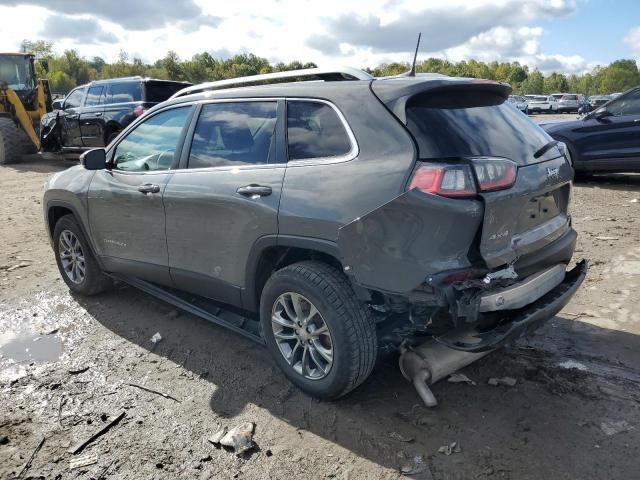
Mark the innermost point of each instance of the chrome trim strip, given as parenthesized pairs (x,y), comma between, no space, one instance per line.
(525,292)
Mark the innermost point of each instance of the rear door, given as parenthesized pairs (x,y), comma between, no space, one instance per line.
(224,197)
(123,97)
(613,142)
(69,118)
(126,212)
(92,117)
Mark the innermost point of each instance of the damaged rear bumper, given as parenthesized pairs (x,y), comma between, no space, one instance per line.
(526,319)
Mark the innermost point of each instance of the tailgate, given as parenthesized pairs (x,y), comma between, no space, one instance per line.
(528,216)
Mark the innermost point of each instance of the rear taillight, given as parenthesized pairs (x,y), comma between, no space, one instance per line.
(453,181)
(456,180)
(494,173)
(139,110)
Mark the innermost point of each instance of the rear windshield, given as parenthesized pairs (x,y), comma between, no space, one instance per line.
(461,124)
(570,97)
(540,99)
(160,91)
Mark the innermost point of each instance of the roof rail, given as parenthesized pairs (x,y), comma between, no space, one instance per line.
(326,74)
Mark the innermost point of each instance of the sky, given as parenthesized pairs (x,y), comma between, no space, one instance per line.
(568,36)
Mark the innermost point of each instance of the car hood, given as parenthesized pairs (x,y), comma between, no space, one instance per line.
(560,125)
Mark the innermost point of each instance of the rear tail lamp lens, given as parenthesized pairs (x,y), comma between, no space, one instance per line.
(494,173)
(454,181)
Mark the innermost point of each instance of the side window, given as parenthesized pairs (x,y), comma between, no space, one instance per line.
(152,144)
(233,134)
(74,99)
(314,130)
(125,92)
(94,96)
(627,105)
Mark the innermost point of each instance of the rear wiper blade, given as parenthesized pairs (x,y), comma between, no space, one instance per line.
(545,148)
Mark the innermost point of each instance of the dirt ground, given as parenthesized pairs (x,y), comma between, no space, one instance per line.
(66,362)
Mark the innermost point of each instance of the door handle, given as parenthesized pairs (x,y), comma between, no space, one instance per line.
(254,190)
(149,188)
(98,114)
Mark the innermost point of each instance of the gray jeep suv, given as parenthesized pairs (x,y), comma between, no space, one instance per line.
(339,216)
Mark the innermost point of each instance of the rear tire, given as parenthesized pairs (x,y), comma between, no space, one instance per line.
(76,262)
(11,142)
(350,338)
(111,136)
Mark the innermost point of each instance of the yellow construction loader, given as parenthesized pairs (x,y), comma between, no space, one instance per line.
(23,101)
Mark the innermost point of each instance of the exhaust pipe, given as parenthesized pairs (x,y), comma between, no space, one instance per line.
(430,362)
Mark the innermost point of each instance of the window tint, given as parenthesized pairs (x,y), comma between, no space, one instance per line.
(152,144)
(94,96)
(125,92)
(74,99)
(570,97)
(314,130)
(233,134)
(160,91)
(627,105)
(461,124)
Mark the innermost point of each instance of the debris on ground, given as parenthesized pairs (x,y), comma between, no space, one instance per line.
(614,427)
(453,447)
(4,439)
(400,438)
(417,467)
(505,381)
(573,365)
(76,371)
(460,378)
(156,338)
(150,390)
(216,437)
(11,268)
(33,455)
(607,238)
(80,446)
(83,461)
(239,438)
(635,200)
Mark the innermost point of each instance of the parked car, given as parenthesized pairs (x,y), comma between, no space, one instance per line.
(558,96)
(521,103)
(541,103)
(570,103)
(596,101)
(605,140)
(311,206)
(94,114)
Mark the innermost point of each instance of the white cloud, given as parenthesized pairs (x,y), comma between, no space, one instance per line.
(331,31)
(633,40)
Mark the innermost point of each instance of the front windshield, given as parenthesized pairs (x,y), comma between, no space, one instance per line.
(16,72)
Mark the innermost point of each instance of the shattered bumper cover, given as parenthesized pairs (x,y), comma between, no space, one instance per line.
(527,319)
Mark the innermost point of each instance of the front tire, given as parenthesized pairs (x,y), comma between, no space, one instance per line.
(11,142)
(319,334)
(76,263)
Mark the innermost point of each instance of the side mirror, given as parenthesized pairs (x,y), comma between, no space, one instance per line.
(600,113)
(57,104)
(95,159)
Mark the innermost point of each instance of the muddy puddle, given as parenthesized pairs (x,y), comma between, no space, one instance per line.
(29,347)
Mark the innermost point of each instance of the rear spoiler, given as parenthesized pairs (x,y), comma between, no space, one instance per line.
(396,92)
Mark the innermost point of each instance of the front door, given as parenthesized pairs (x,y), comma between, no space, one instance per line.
(92,117)
(69,118)
(126,212)
(613,142)
(225,197)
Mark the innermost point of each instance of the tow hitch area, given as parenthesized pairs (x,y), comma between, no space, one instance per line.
(439,357)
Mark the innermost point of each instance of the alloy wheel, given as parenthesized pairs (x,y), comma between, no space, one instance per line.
(302,336)
(72,256)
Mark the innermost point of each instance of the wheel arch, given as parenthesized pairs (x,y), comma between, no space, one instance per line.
(273,252)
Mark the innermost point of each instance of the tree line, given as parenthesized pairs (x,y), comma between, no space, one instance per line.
(69,69)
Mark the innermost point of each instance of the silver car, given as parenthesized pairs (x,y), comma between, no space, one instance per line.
(570,103)
(521,103)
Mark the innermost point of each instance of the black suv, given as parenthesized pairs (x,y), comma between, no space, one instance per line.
(340,216)
(94,114)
